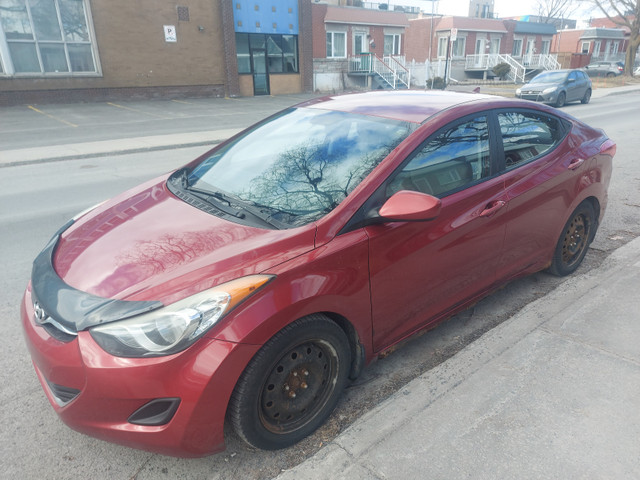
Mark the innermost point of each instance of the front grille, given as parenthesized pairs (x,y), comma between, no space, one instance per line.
(52,326)
(62,394)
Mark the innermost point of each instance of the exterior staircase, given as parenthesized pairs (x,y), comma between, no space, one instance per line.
(388,72)
(518,72)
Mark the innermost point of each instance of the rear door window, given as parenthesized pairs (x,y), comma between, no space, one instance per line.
(528,135)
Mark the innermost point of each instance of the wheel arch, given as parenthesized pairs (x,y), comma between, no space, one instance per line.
(358,351)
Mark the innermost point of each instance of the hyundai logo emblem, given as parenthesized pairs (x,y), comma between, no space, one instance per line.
(39,315)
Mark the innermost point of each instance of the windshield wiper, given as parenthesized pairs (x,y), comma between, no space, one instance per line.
(247,206)
(207,196)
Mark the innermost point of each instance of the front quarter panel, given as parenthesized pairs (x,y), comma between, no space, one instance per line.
(333,279)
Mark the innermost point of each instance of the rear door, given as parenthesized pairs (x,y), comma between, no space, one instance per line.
(420,270)
(537,174)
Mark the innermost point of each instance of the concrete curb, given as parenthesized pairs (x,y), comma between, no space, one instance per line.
(55,153)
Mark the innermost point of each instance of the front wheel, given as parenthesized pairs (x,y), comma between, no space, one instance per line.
(292,384)
(587,96)
(562,98)
(574,241)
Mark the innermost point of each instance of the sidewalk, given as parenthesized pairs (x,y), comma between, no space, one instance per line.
(551,393)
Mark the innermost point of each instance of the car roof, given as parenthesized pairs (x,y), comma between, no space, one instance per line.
(406,105)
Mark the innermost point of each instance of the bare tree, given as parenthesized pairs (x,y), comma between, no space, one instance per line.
(625,13)
(548,10)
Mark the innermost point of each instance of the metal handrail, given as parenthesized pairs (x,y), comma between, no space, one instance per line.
(371,63)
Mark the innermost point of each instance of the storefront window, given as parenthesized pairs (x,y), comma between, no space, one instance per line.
(281,50)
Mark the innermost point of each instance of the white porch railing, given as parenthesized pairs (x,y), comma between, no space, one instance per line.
(544,61)
(393,73)
(487,61)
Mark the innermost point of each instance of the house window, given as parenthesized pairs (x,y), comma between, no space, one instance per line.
(614,48)
(336,44)
(281,52)
(546,47)
(517,48)
(585,47)
(495,46)
(442,46)
(47,37)
(596,48)
(458,47)
(392,44)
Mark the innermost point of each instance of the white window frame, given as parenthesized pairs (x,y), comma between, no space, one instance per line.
(365,45)
(615,47)
(583,49)
(494,46)
(333,34)
(597,45)
(513,49)
(6,61)
(458,47)
(396,48)
(546,47)
(442,46)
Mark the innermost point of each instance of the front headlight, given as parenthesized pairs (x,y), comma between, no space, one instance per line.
(518,91)
(549,90)
(176,326)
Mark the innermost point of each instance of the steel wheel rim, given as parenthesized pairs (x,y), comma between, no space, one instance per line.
(575,240)
(298,387)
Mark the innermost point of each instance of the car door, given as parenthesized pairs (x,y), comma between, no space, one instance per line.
(573,87)
(421,270)
(535,189)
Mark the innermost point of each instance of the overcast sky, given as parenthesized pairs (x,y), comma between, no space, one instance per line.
(503,8)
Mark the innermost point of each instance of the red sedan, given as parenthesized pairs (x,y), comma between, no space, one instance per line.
(254,283)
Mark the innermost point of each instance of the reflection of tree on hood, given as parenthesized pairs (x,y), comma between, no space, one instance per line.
(309,181)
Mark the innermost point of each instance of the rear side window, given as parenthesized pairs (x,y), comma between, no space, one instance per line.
(452,160)
(528,135)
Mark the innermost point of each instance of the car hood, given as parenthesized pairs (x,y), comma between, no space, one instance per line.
(147,244)
(537,87)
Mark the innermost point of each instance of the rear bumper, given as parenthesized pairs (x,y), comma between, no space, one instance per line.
(96,393)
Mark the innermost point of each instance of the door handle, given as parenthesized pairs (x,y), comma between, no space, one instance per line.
(575,163)
(492,208)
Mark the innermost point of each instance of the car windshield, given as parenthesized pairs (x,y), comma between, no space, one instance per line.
(550,77)
(300,164)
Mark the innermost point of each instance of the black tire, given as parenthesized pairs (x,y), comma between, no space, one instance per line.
(611,75)
(574,240)
(562,98)
(587,96)
(292,384)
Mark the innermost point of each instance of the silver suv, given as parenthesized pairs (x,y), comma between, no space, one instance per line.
(604,69)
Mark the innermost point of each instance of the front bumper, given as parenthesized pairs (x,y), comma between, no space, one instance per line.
(539,97)
(97,394)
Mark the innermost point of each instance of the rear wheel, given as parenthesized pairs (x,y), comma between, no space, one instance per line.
(587,96)
(292,384)
(611,74)
(562,98)
(574,241)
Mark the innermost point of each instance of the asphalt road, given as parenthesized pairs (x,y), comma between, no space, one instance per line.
(36,199)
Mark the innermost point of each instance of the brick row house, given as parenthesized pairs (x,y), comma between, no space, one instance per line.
(71,50)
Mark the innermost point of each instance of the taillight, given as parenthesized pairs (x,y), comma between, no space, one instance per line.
(608,148)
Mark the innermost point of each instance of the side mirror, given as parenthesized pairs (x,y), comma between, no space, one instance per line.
(410,206)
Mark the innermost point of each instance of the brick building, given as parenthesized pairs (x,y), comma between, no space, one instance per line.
(71,50)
